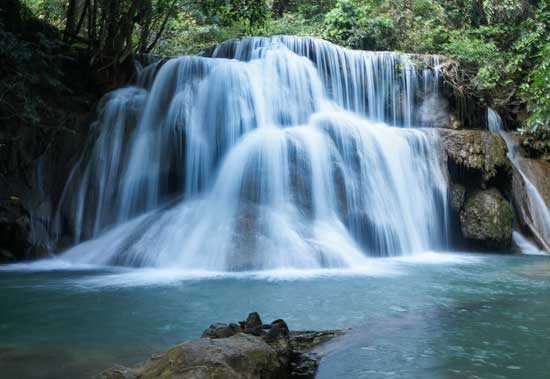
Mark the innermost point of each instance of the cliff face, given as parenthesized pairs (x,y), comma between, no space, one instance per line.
(45,107)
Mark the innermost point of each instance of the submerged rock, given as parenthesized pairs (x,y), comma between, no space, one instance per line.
(249,350)
(487,219)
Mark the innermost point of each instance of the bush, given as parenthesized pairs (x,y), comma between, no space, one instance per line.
(374,34)
(343,21)
(537,95)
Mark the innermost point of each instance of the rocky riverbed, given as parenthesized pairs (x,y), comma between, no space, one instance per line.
(248,349)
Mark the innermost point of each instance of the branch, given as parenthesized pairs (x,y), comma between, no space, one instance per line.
(162,27)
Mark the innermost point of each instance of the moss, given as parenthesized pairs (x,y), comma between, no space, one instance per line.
(476,151)
(487,219)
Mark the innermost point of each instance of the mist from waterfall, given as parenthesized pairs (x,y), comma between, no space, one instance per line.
(538,211)
(280,152)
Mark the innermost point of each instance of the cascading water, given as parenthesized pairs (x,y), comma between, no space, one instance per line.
(273,153)
(538,210)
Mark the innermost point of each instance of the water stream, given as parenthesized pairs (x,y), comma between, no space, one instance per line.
(539,212)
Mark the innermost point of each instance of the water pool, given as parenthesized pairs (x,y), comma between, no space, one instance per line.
(431,316)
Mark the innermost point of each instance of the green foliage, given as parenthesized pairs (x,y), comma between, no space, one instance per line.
(503,11)
(28,68)
(343,20)
(537,95)
(501,46)
(50,11)
(225,13)
(481,59)
(356,24)
(376,33)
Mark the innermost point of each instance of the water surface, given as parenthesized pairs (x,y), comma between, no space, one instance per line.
(431,316)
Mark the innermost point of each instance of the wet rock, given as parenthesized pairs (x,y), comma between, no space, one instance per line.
(458,194)
(487,220)
(6,256)
(304,366)
(249,350)
(277,329)
(17,233)
(239,356)
(305,341)
(14,230)
(454,122)
(253,324)
(476,152)
(221,330)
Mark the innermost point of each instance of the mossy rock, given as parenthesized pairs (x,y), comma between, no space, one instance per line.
(486,220)
(239,356)
(476,151)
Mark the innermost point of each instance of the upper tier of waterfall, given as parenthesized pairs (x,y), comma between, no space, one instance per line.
(280,152)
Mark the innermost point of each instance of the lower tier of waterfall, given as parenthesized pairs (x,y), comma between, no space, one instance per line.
(326,194)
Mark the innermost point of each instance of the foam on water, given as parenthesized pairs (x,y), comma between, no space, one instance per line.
(91,277)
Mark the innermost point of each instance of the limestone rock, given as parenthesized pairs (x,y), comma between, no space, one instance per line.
(487,219)
(458,195)
(476,151)
(239,356)
(234,351)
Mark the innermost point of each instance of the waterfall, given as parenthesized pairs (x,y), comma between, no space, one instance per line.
(279,152)
(538,210)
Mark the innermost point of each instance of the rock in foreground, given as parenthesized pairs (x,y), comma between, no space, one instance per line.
(249,349)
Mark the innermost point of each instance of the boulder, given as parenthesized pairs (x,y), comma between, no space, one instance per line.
(239,356)
(234,351)
(486,219)
(476,152)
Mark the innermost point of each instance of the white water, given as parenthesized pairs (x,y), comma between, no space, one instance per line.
(525,245)
(538,210)
(275,154)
